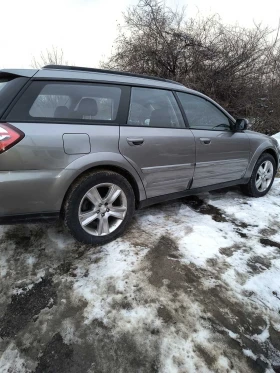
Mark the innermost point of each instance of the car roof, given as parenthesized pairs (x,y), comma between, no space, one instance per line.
(62,72)
(28,73)
(89,74)
(117,77)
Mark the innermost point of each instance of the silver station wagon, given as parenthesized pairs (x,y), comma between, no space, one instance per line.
(90,146)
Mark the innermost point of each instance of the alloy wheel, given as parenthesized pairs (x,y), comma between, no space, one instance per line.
(102,209)
(264,176)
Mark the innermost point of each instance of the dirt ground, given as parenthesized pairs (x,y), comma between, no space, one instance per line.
(193,286)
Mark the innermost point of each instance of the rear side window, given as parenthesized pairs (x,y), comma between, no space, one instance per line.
(73,102)
(10,86)
(154,108)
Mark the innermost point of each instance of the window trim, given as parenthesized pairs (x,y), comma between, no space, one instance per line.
(121,113)
(124,105)
(185,122)
(13,93)
(185,118)
(212,103)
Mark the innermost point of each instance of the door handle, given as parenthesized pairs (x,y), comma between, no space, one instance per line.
(205,140)
(135,141)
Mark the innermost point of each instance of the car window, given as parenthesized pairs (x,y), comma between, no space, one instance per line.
(105,108)
(154,108)
(45,105)
(9,88)
(68,101)
(202,114)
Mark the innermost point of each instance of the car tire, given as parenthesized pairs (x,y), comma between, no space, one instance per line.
(254,187)
(86,200)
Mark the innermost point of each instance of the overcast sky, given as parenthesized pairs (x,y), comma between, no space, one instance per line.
(86,29)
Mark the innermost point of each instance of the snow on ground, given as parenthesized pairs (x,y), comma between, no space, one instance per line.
(193,286)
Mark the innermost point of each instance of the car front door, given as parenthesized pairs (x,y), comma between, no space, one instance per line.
(222,155)
(157,143)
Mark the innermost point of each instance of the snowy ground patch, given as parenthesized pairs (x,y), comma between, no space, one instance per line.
(193,286)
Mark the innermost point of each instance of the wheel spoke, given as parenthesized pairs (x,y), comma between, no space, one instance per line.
(113,194)
(258,182)
(118,211)
(103,226)
(263,187)
(94,196)
(87,217)
(265,166)
(269,173)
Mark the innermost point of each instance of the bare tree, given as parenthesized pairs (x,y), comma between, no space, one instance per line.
(53,56)
(236,66)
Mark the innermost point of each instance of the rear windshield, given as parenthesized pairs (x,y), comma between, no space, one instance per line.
(10,85)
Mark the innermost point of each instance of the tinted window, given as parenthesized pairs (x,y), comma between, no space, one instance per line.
(154,108)
(202,114)
(68,101)
(46,105)
(9,87)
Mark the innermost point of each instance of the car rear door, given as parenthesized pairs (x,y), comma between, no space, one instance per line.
(157,143)
(222,155)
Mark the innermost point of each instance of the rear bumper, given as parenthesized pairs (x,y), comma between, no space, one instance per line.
(31,191)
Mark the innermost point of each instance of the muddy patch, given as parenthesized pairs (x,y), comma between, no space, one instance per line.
(102,352)
(137,236)
(25,306)
(206,356)
(229,251)
(228,315)
(197,204)
(164,313)
(165,270)
(56,357)
(268,242)
(221,310)
(258,264)
(23,236)
(268,231)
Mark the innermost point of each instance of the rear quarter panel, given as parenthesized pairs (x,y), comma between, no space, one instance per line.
(36,173)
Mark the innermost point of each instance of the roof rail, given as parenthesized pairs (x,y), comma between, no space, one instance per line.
(79,68)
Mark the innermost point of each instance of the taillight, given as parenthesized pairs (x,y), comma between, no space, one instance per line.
(9,136)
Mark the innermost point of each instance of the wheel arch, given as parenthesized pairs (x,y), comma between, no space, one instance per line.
(121,171)
(274,155)
(258,153)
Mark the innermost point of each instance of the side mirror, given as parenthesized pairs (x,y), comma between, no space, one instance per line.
(241,124)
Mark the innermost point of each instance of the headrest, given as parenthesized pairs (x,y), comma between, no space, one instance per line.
(87,107)
(61,112)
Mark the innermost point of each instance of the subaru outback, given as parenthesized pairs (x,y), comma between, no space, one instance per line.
(91,146)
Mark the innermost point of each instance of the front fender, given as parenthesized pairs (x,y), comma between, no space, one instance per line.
(258,147)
